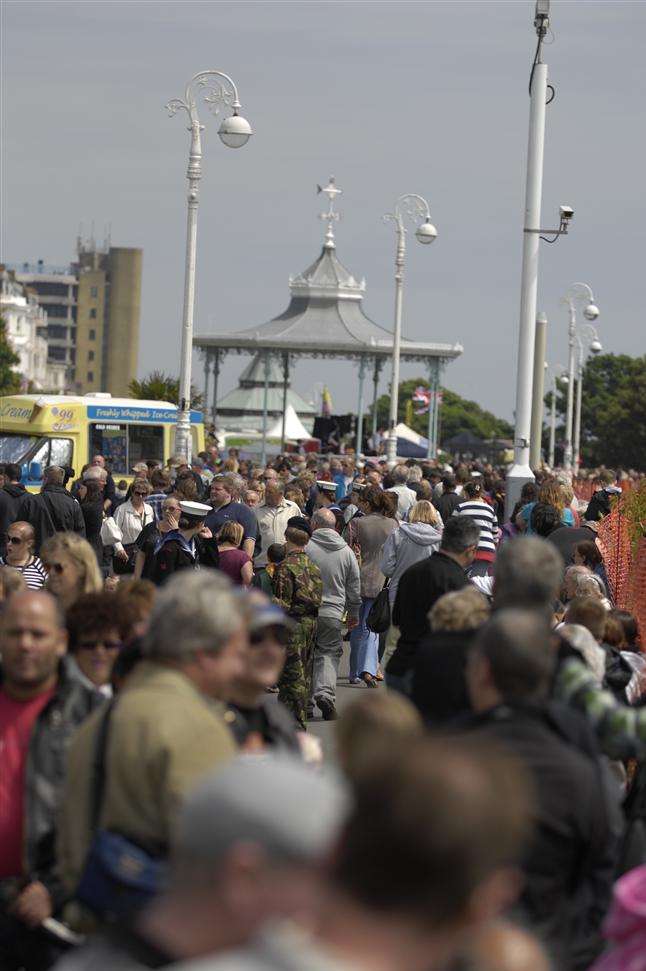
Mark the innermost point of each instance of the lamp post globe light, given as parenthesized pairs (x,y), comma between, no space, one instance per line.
(415,208)
(219,93)
(589,333)
(581,294)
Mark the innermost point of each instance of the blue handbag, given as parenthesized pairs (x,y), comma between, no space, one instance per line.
(119,877)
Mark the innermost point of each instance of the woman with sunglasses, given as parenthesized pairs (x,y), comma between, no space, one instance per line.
(72,568)
(96,625)
(20,555)
(129,520)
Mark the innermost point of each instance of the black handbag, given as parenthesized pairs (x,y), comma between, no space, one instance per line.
(119,877)
(378,619)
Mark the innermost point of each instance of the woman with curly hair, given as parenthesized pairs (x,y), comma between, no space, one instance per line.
(551,493)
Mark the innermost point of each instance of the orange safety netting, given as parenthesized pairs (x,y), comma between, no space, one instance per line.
(625,565)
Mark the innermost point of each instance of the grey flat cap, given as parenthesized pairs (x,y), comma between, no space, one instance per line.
(291,811)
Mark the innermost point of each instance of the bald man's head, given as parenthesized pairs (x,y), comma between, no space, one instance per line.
(33,639)
(323,519)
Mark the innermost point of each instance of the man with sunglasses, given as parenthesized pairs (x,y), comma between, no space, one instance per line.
(41,705)
(11,494)
(20,555)
(256,720)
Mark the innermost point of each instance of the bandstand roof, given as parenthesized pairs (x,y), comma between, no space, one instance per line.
(325,317)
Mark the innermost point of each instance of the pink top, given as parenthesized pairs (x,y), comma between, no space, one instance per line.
(231,563)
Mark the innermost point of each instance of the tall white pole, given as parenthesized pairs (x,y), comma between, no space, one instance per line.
(553,425)
(394,386)
(576,459)
(567,456)
(520,471)
(193,174)
(362,373)
(537,391)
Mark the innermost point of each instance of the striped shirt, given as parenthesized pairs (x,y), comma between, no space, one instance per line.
(34,572)
(485,517)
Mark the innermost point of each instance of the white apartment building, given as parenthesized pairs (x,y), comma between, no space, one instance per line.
(26,321)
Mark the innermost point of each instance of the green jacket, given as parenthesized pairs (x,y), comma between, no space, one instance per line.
(164,736)
(298,587)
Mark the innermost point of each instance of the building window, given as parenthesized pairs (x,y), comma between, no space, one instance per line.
(90,355)
(92,335)
(90,375)
(56,332)
(55,309)
(94,292)
(93,313)
(57,353)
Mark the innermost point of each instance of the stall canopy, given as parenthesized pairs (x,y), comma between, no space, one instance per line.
(293,429)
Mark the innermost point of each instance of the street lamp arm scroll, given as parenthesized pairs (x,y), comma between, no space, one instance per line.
(218,94)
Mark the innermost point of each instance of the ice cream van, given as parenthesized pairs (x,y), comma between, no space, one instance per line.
(67,430)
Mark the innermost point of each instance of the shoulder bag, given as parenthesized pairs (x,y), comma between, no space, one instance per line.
(119,876)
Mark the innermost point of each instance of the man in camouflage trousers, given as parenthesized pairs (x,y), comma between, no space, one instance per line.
(298,589)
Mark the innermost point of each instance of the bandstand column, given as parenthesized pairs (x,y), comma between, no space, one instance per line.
(362,374)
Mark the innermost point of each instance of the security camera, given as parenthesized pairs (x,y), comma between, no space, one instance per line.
(596,347)
(566,212)
(591,312)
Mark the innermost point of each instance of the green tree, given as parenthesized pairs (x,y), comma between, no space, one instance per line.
(457,414)
(613,411)
(158,386)
(9,379)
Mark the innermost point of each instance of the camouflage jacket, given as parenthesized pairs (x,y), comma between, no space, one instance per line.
(297,584)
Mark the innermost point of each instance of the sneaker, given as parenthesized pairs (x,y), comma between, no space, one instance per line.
(327,709)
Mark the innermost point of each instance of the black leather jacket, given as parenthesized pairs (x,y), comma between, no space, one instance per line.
(44,774)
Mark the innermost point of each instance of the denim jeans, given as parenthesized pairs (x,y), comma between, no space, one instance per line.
(364,644)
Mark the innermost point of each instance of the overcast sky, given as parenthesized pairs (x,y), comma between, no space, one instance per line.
(390,98)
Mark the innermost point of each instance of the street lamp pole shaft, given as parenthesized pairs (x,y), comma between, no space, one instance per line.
(553,425)
(567,457)
(537,391)
(520,471)
(577,414)
(394,387)
(193,174)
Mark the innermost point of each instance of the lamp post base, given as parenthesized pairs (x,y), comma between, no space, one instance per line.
(517,476)
(183,437)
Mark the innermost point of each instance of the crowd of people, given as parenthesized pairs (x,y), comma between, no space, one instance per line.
(164,645)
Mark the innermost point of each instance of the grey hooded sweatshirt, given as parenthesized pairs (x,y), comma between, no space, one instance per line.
(339,572)
(409,544)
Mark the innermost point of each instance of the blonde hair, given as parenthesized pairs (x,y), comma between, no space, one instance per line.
(11,581)
(142,485)
(551,492)
(423,512)
(464,609)
(80,553)
(231,533)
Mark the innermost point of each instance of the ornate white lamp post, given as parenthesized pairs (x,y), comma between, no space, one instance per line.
(219,93)
(582,294)
(415,208)
(558,374)
(588,332)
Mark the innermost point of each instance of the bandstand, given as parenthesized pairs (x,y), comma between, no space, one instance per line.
(324,319)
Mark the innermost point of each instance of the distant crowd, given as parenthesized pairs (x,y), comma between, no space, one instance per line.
(165,644)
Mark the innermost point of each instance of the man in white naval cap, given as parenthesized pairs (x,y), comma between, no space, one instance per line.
(188,547)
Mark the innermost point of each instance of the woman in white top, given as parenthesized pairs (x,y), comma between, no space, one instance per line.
(129,520)
(415,540)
